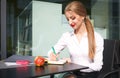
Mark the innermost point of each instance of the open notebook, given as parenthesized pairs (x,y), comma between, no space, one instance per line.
(60,61)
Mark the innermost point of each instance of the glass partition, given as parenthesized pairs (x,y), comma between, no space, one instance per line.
(25,31)
(105,14)
(37,25)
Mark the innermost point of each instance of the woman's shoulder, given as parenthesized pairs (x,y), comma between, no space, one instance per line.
(98,37)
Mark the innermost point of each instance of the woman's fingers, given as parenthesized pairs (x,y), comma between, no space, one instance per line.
(53,56)
(67,59)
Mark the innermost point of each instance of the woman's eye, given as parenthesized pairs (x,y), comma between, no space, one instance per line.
(73,18)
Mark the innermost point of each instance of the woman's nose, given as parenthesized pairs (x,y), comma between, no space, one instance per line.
(70,21)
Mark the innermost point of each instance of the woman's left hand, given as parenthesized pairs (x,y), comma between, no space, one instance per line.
(67,59)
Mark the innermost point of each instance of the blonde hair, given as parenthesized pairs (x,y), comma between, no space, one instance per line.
(79,8)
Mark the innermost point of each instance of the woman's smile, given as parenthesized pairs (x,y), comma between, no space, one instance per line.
(72,24)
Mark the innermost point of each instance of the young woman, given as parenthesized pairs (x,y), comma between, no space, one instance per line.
(85,46)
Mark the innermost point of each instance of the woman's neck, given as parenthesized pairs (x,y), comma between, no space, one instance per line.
(81,30)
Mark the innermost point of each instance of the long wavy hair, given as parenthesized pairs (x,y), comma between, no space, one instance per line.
(79,8)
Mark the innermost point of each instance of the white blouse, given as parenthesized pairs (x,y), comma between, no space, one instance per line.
(78,50)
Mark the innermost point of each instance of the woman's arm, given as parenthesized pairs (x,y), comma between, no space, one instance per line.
(61,44)
(96,65)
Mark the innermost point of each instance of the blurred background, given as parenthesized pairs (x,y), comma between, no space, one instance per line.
(32,27)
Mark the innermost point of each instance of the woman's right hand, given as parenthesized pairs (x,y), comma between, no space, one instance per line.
(53,57)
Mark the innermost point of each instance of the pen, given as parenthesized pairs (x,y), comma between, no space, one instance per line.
(54,52)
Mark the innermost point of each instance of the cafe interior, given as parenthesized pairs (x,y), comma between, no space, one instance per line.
(31,27)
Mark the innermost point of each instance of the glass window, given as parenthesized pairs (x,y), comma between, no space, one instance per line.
(104,15)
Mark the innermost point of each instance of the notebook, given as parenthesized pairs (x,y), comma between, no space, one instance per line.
(59,62)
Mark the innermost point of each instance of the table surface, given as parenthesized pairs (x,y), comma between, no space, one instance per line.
(34,71)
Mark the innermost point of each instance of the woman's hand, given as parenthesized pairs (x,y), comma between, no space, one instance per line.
(53,56)
(67,59)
